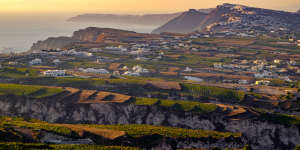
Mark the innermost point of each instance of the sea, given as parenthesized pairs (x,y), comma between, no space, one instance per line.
(19,31)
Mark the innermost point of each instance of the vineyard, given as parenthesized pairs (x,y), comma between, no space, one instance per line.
(281,118)
(28,90)
(210,91)
(178,104)
(12,72)
(131,130)
(143,130)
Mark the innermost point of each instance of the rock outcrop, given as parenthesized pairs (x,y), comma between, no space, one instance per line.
(91,35)
(53,43)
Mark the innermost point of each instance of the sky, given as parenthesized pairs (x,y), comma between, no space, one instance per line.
(131,6)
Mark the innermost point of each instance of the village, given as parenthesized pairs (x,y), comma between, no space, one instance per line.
(194,58)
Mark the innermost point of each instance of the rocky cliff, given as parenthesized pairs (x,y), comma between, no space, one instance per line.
(52,43)
(258,133)
(88,35)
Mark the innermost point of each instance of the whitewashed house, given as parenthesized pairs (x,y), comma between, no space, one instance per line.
(92,70)
(188,69)
(130,73)
(140,69)
(265,74)
(35,61)
(218,65)
(243,82)
(54,73)
(263,82)
(193,79)
(56,61)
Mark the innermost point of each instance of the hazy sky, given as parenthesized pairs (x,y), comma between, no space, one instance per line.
(132,6)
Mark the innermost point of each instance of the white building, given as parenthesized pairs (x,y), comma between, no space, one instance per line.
(193,79)
(12,63)
(56,61)
(188,69)
(84,54)
(218,65)
(265,74)
(140,69)
(243,82)
(277,61)
(54,73)
(35,61)
(130,73)
(263,82)
(119,48)
(92,70)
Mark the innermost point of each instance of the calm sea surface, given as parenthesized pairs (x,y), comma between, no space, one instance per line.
(18,32)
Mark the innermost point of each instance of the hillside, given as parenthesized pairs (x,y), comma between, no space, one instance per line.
(242,17)
(185,23)
(92,35)
(232,17)
(147,19)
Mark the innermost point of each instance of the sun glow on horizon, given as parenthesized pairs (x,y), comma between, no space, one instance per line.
(132,6)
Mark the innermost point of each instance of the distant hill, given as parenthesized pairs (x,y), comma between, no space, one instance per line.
(231,17)
(298,11)
(186,22)
(87,36)
(147,19)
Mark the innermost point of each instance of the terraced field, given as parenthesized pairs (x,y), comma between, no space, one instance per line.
(29,90)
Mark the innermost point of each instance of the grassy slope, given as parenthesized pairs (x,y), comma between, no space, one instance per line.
(28,90)
(184,105)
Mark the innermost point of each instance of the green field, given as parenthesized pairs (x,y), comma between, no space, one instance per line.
(211,91)
(280,118)
(179,104)
(143,130)
(13,72)
(131,130)
(28,90)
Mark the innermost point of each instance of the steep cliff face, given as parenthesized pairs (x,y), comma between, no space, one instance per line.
(52,43)
(259,134)
(89,35)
